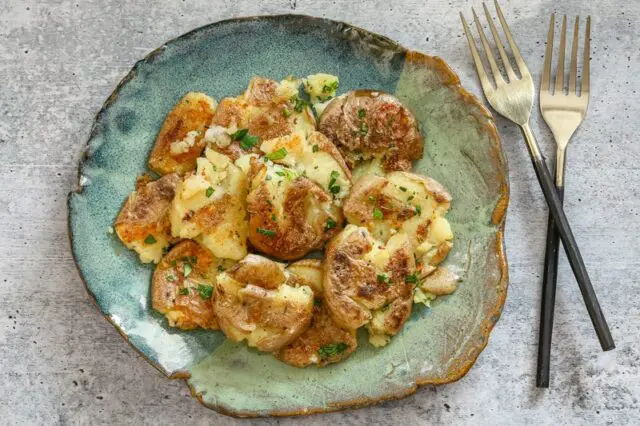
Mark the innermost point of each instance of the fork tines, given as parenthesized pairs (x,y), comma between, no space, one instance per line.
(498,78)
(545,83)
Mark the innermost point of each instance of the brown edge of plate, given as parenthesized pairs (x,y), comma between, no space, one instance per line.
(449,78)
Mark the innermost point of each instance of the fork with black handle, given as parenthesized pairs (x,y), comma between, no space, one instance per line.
(563,113)
(513,100)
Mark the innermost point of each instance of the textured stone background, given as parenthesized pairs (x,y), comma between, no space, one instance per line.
(60,363)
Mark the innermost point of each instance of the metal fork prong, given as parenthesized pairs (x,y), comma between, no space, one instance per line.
(496,38)
(560,73)
(487,50)
(584,90)
(545,84)
(573,71)
(514,48)
(484,79)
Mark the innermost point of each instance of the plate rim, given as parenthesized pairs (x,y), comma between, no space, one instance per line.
(498,218)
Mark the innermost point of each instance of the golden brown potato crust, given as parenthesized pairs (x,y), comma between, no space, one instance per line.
(192,113)
(365,124)
(291,235)
(177,282)
(352,285)
(145,211)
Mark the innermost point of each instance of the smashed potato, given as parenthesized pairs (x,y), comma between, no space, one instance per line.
(254,302)
(209,206)
(180,142)
(369,284)
(182,286)
(366,124)
(404,202)
(324,342)
(143,224)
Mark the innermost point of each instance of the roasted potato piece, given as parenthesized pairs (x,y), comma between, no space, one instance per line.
(289,215)
(143,224)
(324,342)
(367,124)
(368,283)
(209,206)
(179,142)
(182,286)
(404,202)
(254,302)
(266,110)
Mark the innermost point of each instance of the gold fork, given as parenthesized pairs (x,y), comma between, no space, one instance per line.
(563,113)
(513,100)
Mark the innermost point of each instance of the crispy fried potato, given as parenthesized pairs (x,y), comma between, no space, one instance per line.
(324,342)
(267,110)
(143,224)
(182,286)
(404,202)
(179,142)
(367,283)
(254,302)
(209,207)
(367,124)
(289,215)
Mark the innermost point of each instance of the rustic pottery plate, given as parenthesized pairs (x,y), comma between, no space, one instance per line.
(463,151)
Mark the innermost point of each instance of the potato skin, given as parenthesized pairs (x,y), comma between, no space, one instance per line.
(192,113)
(366,124)
(145,211)
(191,310)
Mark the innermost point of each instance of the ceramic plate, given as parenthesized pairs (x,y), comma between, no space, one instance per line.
(463,151)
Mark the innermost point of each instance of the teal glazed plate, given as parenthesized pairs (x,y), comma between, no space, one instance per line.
(462,151)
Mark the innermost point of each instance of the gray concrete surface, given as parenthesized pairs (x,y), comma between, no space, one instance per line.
(60,363)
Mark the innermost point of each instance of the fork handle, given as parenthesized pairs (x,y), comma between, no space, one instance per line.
(568,240)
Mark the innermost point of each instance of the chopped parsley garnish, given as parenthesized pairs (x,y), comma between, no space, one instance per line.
(315,148)
(362,113)
(150,239)
(403,189)
(286,112)
(267,232)
(332,349)
(273,217)
(184,291)
(248,142)
(372,198)
(193,259)
(221,268)
(418,210)
(267,177)
(299,104)
(187,268)
(330,87)
(171,278)
(280,173)
(333,188)
(377,214)
(330,224)
(239,134)
(205,291)
(277,155)
(316,302)
(363,129)
(411,279)
(209,192)
(410,198)
(382,278)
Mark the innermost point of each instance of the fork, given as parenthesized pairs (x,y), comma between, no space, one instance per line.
(563,113)
(513,99)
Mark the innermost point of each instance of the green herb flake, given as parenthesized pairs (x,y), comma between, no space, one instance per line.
(330,87)
(248,142)
(377,214)
(362,113)
(418,210)
(273,217)
(315,148)
(267,232)
(335,189)
(330,224)
(332,349)
(280,173)
(410,198)
(316,302)
(150,239)
(267,177)
(209,192)
(277,155)
(205,291)
(363,129)
(287,113)
(187,269)
(372,198)
(171,278)
(184,291)
(382,278)
(299,104)
(239,134)
(403,189)
(221,268)
(411,279)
